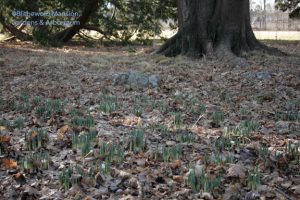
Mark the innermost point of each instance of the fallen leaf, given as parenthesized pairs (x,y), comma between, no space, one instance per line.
(9,163)
(132,120)
(33,135)
(175,164)
(236,171)
(178,179)
(198,130)
(62,131)
(5,138)
(2,128)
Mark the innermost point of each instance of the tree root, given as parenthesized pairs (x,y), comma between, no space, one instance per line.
(224,54)
(171,47)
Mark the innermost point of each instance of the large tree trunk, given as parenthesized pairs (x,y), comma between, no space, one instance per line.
(219,26)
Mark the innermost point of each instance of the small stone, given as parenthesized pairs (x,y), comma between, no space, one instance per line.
(137,79)
(170,143)
(257,75)
(119,191)
(141,162)
(252,195)
(296,189)
(282,127)
(263,75)
(207,196)
(154,80)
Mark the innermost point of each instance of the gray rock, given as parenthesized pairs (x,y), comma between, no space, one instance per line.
(252,195)
(282,127)
(291,105)
(154,80)
(138,79)
(263,75)
(257,75)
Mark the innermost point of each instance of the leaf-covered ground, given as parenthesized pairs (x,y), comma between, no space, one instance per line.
(209,131)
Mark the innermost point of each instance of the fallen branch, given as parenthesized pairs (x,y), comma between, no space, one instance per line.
(200,117)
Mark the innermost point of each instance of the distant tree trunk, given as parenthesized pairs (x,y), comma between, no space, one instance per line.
(265,16)
(69,33)
(219,26)
(18,33)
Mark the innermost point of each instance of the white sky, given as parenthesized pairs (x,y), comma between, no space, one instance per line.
(261,2)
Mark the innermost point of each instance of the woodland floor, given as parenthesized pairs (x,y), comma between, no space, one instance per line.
(209,131)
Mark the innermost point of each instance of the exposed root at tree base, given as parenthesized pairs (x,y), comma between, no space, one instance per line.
(174,47)
(226,56)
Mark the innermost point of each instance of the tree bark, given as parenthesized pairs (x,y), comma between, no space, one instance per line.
(219,26)
(69,33)
(18,33)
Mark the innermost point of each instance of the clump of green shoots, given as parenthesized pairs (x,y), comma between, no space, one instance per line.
(83,121)
(292,115)
(6,123)
(254,179)
(24,104)
(225,96)
(114,153)
(292,151)
(53,107)
(217,118)
(34,161)
(248,126)
(19,123)
(160,128)
(160,105)
(65,178)
(104,166)
(2,151)
(178,119)
(74,112)
(84,141)
(35,138)
(36,100)
(40,111)
(137,141)
(2,146)
(202,181)
(242,131)
(109,104)
(49,108)
(172,153)
(72,175)
(137,110)
(143,100)
(222,159)
(264,153)
(155,153)
(194,107)
(186,138)
(245,114)
(23,107)
(223,143)
(2,103)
